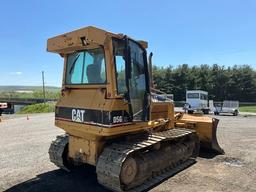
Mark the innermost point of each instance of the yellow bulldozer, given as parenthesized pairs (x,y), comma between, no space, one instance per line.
(112,117)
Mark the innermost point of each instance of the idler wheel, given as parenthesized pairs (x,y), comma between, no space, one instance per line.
(129,171)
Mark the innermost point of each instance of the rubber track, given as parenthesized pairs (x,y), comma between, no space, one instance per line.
(56,150)
(110,161)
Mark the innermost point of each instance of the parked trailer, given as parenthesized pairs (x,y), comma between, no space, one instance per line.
(227,107)
(197,101)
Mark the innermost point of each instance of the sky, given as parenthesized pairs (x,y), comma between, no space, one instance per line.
(178,31)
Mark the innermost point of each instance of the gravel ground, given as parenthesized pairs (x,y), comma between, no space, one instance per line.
(24,163)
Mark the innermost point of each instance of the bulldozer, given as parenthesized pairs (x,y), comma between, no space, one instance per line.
(112,119)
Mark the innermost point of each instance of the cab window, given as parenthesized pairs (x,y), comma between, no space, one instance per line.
(203,96)
(193,95)
(86,67)
(119,56)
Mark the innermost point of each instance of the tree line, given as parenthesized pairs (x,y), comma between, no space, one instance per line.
(222,83)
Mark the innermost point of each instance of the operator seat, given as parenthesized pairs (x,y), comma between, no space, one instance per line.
(93,74)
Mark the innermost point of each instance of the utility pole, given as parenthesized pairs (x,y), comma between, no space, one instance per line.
(43,85)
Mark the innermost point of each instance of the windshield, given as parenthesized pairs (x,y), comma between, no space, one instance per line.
(193,95)
(86,67)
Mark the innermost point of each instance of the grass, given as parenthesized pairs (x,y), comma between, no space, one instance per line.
(251,109)
(38,108)
(34,94)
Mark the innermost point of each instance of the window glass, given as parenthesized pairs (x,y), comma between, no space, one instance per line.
(103,70)
(193,95)
(137,83)
(203,96)
(86,67)
(137,69)
(76,69)
(119,50)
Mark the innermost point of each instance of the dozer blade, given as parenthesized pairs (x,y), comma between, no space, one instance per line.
(206,129)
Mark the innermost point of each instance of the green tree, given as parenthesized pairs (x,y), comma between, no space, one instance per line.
(232,83)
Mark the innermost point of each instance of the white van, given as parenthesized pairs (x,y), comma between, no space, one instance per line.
(197,100)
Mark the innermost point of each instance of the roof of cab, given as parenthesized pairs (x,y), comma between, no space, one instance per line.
(196,91)
(76,40)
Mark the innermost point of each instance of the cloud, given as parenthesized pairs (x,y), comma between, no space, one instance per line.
(16,73)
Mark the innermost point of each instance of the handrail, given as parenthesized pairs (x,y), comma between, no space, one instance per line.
(157,92)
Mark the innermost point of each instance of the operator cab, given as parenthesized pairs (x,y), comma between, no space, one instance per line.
(88,67)
(112,63)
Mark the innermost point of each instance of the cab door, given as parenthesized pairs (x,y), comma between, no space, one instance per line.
(138,85)
(132,77)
